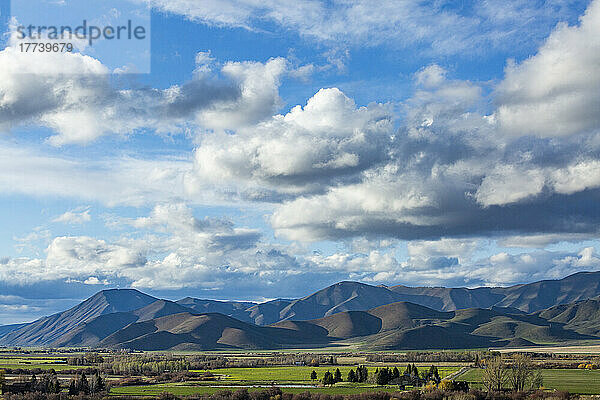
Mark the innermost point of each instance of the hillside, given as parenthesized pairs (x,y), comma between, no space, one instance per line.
(235,309)
(529,297)
(343,296)
(384,317)
(582,317)
(186,331)
(48,329)
(90,333)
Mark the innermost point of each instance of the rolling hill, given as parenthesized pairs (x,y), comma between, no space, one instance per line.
(396,326)
(48,329)
(91,332)
(385,317)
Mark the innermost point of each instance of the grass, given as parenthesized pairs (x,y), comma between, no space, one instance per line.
(56,367)
(57,364)
(572,380)
(295,374)
(180,389)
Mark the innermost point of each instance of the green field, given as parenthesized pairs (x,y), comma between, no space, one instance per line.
(263,377)
(295,374)
(572,380)
(33,362)
(183,389)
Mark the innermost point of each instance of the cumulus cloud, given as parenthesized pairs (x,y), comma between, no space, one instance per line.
(74,95)
(452,171)
(326,141)
(556,92)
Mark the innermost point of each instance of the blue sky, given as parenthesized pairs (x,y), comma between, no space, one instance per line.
(275,149)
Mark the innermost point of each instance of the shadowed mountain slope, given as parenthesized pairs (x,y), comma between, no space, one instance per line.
(48,329)
(345,311)
(193,332)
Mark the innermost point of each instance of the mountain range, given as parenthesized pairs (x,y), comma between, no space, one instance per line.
(374,317)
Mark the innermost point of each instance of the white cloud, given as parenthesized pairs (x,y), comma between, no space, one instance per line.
(391,23)
(112,181)
(76,216)
(509,184)
(444,247)
(92,280)
(330,137)
(73,95)
(557,91)
(541,241)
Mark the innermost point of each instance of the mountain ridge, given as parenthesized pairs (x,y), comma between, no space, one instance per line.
(111,310)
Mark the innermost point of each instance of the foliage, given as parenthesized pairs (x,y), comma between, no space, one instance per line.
(494,374)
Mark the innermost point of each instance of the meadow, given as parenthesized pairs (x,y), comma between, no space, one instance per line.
(58,364)
(572,380)
(298,373)
(186,389)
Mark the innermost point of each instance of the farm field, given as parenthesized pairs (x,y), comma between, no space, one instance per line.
(58,364)
(571,380)
(584,349)
(185,389)
(298,374)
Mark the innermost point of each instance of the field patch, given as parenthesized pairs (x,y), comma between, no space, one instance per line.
(575,381)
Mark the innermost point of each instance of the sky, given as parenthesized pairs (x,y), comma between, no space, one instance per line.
(253,150)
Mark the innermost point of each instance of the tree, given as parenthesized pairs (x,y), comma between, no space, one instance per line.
(382,376)
(33,383)
(313,375)
(351,376)
(521,373)
(79,384)
(1,380)
(395,373)
(73,387)
(82,384)
(446,385)
(337,375)
(538,379)
(328,379)
(362,374)
(414,371)
(494,374)
(433,374)
(96,383)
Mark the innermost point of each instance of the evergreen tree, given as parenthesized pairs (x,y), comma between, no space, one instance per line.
(408,370)
(96,383)
(33,383)
(395,373)
(313,375)
(351,376)
(382,377)
(73,387)
(362,373)
(82,385)
(328,378)
(337,375)
(414,371)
